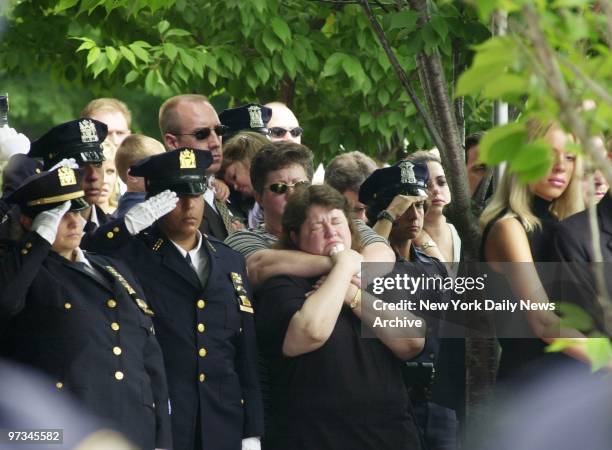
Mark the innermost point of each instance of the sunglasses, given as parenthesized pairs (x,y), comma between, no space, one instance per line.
(204,133)
(278,132)
(281,188)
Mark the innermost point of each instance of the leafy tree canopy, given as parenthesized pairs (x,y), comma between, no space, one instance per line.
(321,58)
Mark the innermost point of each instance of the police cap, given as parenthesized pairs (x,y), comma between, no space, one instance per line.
(79,139)
(46,190)
(18,168)
(251,117)
(402,178)
(181,170)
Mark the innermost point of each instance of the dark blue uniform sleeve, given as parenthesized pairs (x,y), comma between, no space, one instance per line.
(247,365)
(19,266)
(107,237)
(154,365)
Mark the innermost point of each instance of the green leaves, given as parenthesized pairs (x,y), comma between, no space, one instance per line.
(493,60)
(280,28)
(127,54)
(599,352)
(509,143)
(93,55)
(501,143)
(405,20)
(573,316)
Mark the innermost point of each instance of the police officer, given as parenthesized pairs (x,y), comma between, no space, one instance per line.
(81,318)
(18,168)
(204,317)
(395,197)
(80,140)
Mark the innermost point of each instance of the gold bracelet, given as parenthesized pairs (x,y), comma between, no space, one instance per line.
(356,300)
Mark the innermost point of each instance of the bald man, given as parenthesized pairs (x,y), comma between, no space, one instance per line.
(283,125)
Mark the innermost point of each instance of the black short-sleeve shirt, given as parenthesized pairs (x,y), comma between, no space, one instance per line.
(347,394)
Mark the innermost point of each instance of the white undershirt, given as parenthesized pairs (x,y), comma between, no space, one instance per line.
(198,258)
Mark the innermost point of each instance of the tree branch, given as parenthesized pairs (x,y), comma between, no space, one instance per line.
(571,117)
(606,6)
(597,88)
(559,90)
(401,74)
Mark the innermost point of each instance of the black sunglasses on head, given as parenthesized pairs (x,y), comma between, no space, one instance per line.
(281,188)
(280,131)
(203,133)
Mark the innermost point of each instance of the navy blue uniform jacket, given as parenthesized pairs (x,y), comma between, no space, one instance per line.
(58,317)
(208,342)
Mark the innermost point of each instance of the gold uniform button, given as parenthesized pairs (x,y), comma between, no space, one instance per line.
(110,235)
(28,245)
(24,251)
(201,304)
(116,229)
(202,378)
(202,352)
(242,401)
(115,326)
(201,327)
(117,350)
(59,385)
(67,305)
(119,375)
(111,303)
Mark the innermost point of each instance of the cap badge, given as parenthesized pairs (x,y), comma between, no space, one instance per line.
(187,159)
(66,176)
(256,120)
(88,131)
(407,173)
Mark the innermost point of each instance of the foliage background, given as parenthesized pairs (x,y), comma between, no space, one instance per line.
(319,57)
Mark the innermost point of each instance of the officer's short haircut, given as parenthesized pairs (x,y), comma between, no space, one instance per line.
(472,141)
(242,148)
(276,156)
(169,118)
(134,148)
(107,105)
(347,172)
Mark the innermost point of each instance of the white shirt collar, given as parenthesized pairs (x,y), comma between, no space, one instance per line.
(79,256)
(94,215)
(194,252)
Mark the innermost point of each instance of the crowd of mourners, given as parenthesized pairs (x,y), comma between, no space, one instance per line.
(201,293)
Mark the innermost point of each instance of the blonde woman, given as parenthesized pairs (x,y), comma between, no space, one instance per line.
(517,229)
(109,194)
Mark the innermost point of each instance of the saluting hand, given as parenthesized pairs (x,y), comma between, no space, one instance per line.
(66,162)
(46,223)
(400,203)
(144,214)
(12,142)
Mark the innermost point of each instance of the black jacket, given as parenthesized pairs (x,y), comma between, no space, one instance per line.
(215,397)
(88,333)
(573,246)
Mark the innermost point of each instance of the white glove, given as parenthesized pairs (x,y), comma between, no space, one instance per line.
(12,142)
(66,162)
(143,214)
(252,443)
(47,222)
